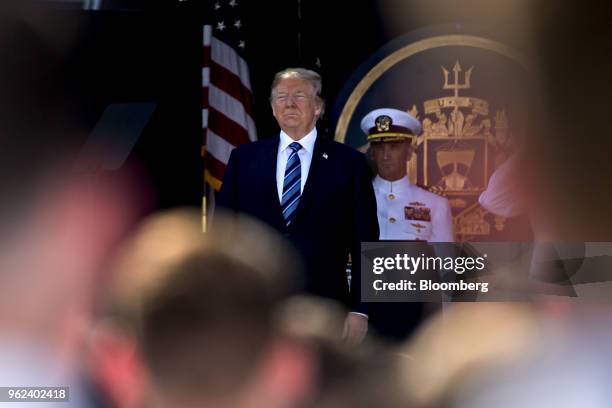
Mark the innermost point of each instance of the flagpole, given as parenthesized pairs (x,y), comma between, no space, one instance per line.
(204,209)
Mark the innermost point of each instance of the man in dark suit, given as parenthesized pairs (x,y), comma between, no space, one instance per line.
(316,192)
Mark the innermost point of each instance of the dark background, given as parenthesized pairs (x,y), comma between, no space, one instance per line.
(151,51)
(70,64)
(75,62)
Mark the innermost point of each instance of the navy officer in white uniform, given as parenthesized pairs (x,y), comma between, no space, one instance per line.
(406,212)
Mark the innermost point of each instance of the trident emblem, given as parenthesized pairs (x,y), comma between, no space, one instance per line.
(456,86)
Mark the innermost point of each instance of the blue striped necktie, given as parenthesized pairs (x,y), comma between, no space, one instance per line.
(292,183)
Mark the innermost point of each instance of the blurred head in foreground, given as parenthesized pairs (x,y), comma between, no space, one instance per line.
(197,320)
(510,355)
(356,377)
(467,340)
(191,318)
(50,263)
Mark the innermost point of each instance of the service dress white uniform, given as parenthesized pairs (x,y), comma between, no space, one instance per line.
(408,212)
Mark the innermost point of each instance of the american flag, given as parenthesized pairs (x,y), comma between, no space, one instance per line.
(227,112)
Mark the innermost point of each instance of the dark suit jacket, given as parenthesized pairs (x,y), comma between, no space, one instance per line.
(337,210)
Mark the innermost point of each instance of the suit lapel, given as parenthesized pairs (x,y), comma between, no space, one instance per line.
(269,160)
(313,183)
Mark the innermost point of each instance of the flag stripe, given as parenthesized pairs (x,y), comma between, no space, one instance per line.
(205,76)
(232,108)
(214,166)
(227,111)
(205,118)
(218,146)
(225,56)
(207,35)
(205,97)
(222,125)
(230,83)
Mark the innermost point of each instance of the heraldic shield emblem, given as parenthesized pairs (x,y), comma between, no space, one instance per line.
(469,92)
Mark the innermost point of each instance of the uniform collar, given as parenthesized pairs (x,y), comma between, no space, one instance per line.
(397,186)
(307,141)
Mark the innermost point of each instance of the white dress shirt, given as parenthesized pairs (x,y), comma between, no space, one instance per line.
(305,155)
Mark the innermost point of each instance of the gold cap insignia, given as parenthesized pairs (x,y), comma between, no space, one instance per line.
(383,123)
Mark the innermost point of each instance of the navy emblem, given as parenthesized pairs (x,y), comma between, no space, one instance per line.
(383,123)
(466,91)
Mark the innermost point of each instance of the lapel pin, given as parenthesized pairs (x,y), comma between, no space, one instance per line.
(325,156)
